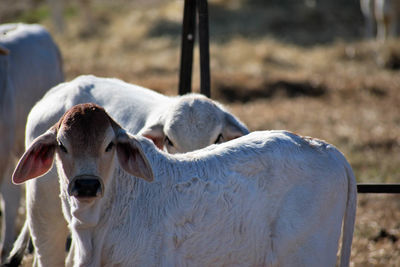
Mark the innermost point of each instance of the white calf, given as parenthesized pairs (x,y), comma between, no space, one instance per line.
(175,124)
(30,64)
(266,199)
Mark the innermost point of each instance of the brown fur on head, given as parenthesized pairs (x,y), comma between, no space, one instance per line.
(88,118)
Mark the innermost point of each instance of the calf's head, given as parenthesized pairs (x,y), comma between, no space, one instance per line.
(192,122)
(84,142)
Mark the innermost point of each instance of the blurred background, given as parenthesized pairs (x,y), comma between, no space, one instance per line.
(308,66)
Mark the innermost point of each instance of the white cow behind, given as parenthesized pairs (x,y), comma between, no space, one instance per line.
(175,124)
(30,64)
(382,17)
(269,198)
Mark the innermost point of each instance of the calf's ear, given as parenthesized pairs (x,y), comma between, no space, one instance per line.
(154,133)
(233,128)
(37,159)
(132,158)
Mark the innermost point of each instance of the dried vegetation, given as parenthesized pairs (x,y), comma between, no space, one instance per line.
(296,65)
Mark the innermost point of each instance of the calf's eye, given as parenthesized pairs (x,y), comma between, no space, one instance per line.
(109,147)
(168,142)
(219,140)
(62,147)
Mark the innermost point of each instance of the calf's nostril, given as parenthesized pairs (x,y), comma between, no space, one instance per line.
(85,188)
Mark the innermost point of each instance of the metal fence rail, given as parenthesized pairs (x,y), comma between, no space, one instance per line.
(378,188)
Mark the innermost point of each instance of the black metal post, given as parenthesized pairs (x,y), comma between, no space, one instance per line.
(191,8)
(188,38)
(202,7)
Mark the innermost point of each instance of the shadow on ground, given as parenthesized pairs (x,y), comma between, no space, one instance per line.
(269,89)
(305,23)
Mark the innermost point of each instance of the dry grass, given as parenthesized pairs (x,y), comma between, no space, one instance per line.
(306,71)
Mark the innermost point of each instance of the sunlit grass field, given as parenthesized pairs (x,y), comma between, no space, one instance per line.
(300,66)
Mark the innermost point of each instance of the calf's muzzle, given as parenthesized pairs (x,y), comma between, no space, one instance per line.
(86,186)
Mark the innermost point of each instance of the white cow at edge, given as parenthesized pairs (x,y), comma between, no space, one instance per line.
(175,124)
(382,17)
(269,198)
(30,64)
